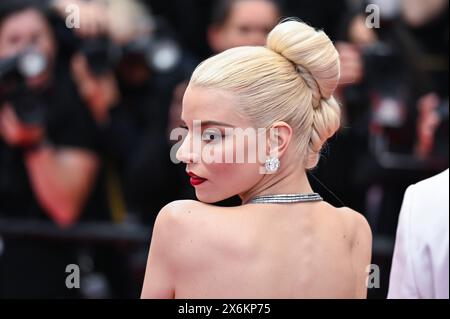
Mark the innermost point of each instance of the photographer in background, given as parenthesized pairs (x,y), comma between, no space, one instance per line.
(126,66)
(48,163)
(152,64)
(399,111)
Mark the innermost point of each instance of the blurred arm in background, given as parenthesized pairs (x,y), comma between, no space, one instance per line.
(61,178)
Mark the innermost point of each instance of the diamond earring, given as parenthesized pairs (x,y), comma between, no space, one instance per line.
(272,165)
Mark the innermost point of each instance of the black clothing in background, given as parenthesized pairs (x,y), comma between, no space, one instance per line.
(30,267)
(321,14)
(68,125)
(190,18)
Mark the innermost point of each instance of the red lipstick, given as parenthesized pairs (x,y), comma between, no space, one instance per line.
(196,180)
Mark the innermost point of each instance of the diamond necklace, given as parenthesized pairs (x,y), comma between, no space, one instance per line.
(286,198)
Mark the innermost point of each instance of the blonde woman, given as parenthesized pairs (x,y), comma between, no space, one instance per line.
(284,241)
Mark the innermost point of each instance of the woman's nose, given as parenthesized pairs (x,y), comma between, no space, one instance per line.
(186,153)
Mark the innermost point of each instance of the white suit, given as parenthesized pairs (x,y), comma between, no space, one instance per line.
(420,267)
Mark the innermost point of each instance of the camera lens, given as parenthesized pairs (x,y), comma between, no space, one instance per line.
(31,64)
(164,56)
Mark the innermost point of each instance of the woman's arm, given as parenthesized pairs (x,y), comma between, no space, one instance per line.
(361,254)
(159,275)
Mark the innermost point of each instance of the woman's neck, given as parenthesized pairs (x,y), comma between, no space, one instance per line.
(287,181)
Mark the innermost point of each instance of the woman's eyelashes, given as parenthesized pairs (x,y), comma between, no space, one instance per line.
(212,135)
(209,134)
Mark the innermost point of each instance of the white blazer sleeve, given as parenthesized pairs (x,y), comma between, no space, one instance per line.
(421,255)
(402,283)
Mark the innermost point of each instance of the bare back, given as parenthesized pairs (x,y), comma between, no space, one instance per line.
(306,250)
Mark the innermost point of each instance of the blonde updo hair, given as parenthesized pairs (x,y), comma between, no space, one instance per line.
(292,79)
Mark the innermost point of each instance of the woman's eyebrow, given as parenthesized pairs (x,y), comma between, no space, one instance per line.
(211,123)
(216,123)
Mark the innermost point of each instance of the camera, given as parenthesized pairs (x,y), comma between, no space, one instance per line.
(158,52)
(393,122)
(385,76)
(14,73)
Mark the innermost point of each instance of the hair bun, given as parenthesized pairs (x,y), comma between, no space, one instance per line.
(313,53)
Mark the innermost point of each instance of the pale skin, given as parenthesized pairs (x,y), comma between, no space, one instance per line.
(302,250)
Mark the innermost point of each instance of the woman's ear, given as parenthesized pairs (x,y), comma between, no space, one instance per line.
(280,135)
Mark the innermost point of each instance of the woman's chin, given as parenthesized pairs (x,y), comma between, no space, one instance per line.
(208,199)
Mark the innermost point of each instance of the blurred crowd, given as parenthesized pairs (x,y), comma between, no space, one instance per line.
(87,104)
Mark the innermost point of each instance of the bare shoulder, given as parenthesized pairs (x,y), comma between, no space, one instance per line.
(350,221)
(169,250)
(361,248)
(358,226)
(176,208)
(181,211)
(181,217)
(184,230)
